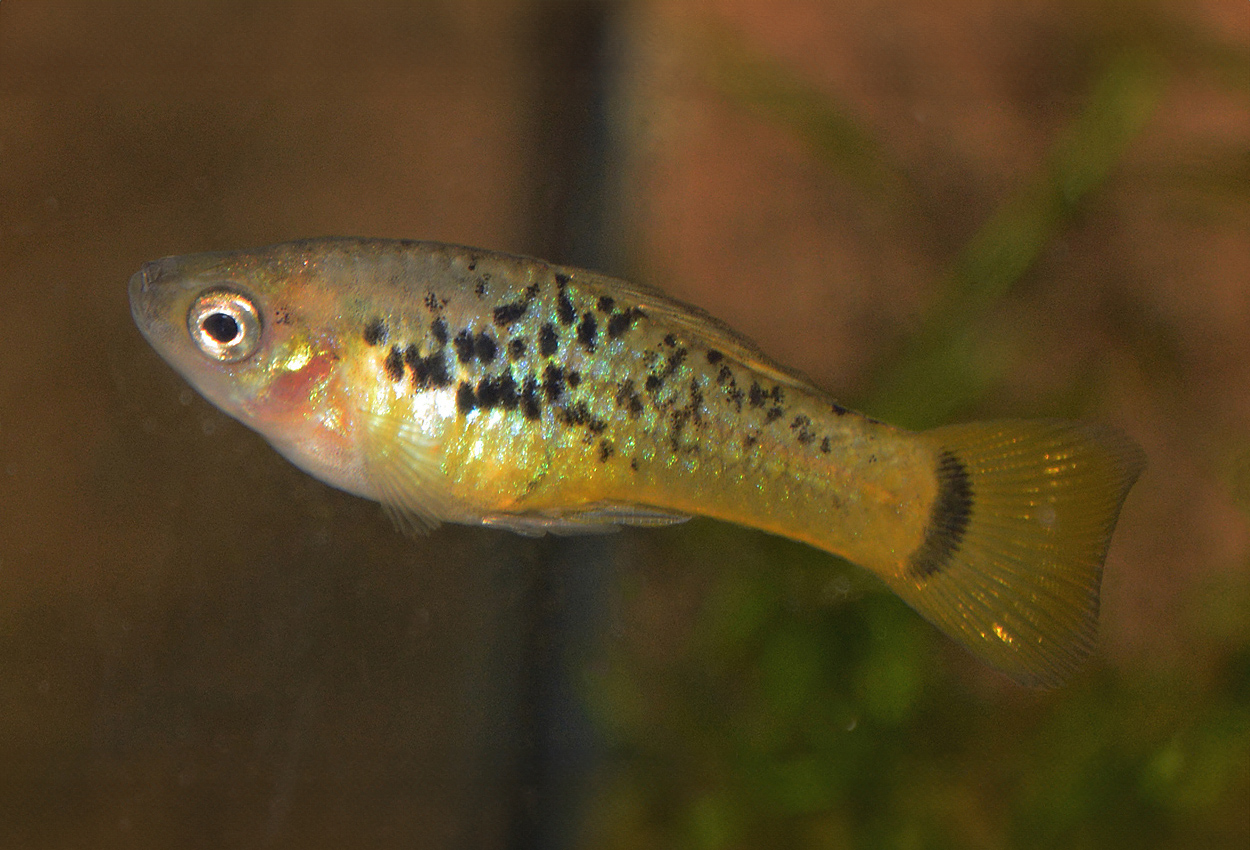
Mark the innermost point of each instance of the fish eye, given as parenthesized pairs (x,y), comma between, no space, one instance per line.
(225,325)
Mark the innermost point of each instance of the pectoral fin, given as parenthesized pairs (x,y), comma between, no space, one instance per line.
(402,463)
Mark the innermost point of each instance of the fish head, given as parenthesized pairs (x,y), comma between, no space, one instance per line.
(256,333)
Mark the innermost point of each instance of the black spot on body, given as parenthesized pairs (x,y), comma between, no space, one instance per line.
(579,414)
(412,357)
(466,399)
(487,393)
(464,346)
(749,441)
(714,356)
(724,376)
(529,399)
(548,340)
(508,395)
(734,396)
(802,425)
(948,520)
(431,301)
(480,287)
(564,306)
(670,340)
(427,371)
(606,303)
(605,450)
(824,446)
(588,331)
(674,361)
(655,381)
(509,313)
(756,395)
(774,413)
(394,364)
(485,347)
(553,382)
(498,391)
(516,348)
(633,464)
(839,410)
(575,378)
(531,292)
(375,332)
(627,397)
(680,418)
(575,414)
(439,328)
(622,321)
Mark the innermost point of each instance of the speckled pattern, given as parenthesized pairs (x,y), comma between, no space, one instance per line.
(600,398)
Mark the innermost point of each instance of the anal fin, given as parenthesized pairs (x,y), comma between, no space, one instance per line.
(595,518)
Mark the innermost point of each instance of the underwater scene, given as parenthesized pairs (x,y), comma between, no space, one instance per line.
(602,603)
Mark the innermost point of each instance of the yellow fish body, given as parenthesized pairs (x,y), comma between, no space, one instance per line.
(458,385)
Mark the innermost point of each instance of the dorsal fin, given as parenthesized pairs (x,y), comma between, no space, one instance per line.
(693,322)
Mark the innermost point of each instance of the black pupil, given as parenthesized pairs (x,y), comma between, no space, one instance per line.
(221,327)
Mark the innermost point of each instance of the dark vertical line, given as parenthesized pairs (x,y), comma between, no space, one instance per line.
(571,43)
(574,41)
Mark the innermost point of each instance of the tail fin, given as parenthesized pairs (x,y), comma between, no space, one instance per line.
(1012,560)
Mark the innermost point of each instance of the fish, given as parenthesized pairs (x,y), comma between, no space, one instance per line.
(453,384)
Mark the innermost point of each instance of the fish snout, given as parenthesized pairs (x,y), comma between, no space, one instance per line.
(146,277)
(149,294)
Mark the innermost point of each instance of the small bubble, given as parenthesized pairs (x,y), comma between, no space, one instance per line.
(209,427)
(851,724)
(184,398)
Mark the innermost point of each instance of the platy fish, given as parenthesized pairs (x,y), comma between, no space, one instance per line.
(458,385)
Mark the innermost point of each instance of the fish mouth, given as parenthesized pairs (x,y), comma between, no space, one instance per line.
(138,289)
(144,279)
(146,294)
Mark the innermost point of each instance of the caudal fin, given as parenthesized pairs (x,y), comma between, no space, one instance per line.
(1012,560)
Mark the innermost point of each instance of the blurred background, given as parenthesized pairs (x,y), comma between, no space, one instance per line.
(937,211)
